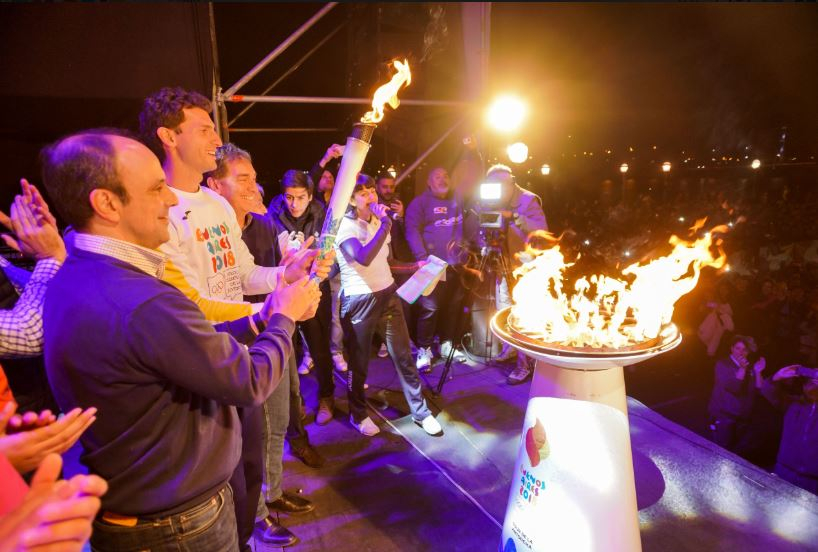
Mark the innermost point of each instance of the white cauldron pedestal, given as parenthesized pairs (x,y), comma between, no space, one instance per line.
(573,484)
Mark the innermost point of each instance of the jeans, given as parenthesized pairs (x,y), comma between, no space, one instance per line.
(318,338)
(276,419)
(246,481)
(206,527)
(441,310)
(361,317)
(336,344)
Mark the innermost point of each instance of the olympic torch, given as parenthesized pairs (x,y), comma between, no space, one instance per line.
(357,146)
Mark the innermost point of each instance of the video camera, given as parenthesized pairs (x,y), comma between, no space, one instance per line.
(490,196)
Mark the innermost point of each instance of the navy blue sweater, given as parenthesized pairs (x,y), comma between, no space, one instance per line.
(165,382)
(432,224)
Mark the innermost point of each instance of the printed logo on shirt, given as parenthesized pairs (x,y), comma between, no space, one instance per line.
(441,210)
(225,284)
(449,221)
(218,245)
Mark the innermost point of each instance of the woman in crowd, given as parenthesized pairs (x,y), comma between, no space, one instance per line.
(369,304)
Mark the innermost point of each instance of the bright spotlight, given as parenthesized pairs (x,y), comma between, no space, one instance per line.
(517,152)
(506,113)
(755,164)
(666,167)
(623,168)
(545,170)
(392,172)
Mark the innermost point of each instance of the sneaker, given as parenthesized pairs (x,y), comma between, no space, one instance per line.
(424,360)
(324,414)
(431,426)
(340,362)
(306,365)
(383,352)
(367,426)
(446,349)
(522,372)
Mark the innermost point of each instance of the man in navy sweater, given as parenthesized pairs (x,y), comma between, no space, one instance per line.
(166,384)
(434,220)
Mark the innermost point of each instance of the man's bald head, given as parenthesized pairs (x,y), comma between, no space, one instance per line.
(76,165)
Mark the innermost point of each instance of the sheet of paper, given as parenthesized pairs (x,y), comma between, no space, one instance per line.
(423,281)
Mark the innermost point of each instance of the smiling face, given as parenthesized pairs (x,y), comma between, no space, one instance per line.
(439,182)
(238,186)
(739,351)
(143,219)
(196,140)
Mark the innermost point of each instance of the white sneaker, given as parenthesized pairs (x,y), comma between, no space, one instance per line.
(367,426)
(383,352)
(446,348)
(306,365)
(431,426)
(424,359)
(340,363)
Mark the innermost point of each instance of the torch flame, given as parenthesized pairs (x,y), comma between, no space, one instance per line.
(605,312)
(388,93)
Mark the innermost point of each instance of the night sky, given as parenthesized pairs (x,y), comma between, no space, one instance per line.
(693,77)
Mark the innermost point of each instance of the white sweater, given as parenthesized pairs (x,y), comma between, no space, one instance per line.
(206,246)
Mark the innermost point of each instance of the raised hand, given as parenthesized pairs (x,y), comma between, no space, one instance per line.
(25,450)
(786,372)
(294,301)
(54,515)
(36,236)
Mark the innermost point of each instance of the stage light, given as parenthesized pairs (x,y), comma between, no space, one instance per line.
(623,168)
(587,242)
(392,172)
(666,167)
(545,170)
(506,113)
(517,152)
(681,219)
(755,164)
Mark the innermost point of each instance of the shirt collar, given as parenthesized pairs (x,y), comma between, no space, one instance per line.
(149,261)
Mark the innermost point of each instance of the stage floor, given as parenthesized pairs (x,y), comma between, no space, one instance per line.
(403,490)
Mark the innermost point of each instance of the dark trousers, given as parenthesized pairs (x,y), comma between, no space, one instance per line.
(247,477)
(317,333)
(362,316)
(206,527)
(441,311)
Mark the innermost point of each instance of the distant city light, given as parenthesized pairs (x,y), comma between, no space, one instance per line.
(517,152)
(755,164)
(666,167)
(623,168)
(506,113)
(545,170)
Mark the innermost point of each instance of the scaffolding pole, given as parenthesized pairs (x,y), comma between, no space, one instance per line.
(279,49)
(332,100)
(289,71)
(428,152)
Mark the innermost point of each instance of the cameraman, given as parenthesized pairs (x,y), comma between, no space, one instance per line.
(434,219)
(522,214)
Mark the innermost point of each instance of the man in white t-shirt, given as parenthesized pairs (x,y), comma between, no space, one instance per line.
(208,260)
